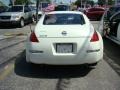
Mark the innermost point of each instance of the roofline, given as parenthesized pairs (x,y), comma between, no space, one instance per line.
(59,12)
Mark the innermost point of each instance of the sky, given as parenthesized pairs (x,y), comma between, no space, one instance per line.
(68,1)
(58,1)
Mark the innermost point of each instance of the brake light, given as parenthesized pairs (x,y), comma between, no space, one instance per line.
(95,37)
(33,37)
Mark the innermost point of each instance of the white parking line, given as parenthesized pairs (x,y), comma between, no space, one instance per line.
(4,37)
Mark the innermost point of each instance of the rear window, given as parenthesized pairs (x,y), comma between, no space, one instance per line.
(63,19)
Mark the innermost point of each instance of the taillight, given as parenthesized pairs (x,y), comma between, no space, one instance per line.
(33,37)
(95,37)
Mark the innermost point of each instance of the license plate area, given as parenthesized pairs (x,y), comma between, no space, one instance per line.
(64,48)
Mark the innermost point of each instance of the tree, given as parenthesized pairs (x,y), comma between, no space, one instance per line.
(78,2)
(91,2)
(44,0)
(28,1)
(1,3)
(21,1)
(111,2)
(101,2)
(3,7)
(108,2)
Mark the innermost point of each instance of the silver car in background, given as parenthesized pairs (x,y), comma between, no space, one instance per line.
(18,15)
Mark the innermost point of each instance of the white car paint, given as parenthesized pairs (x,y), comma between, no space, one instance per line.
(84,51)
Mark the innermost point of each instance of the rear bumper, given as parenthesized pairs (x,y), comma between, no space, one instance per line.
(64,60)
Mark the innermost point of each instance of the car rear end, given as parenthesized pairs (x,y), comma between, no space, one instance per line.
(95,13)
(64,45)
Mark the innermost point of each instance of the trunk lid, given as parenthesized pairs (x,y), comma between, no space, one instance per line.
(60,31)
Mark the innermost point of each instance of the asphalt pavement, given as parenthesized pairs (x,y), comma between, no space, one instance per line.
(14,30)
(19,75)
(24,76)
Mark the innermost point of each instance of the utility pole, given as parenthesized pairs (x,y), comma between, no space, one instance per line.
(37,6)
(81,3)
(115,2)
(70,2)
(106,2)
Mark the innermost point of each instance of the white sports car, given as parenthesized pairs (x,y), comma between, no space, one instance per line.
(64,38)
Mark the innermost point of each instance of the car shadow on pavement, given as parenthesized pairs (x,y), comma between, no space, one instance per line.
(112,50)
(22,68)
(9,27)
